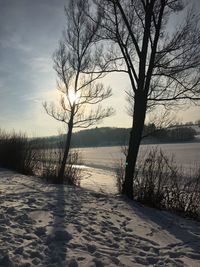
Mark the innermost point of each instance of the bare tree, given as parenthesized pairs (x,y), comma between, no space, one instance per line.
(163,64)
(78,91)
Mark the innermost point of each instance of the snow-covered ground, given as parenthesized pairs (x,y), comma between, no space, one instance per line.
(99,180)
(54,225)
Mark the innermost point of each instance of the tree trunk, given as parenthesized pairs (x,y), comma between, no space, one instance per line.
(134,143)
(66,153)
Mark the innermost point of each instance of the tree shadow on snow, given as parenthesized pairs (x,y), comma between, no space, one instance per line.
(58,237)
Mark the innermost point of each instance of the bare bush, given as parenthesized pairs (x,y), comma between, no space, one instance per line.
(16,153)
(160,183)
(50,163)
(184,194)
(120,174)
(154,173)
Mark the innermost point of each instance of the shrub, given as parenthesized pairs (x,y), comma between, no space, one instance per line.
(19,153)
(120,174)
(16,153)
(158,182)
(50,165)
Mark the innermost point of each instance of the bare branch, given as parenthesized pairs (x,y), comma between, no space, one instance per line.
(75,62)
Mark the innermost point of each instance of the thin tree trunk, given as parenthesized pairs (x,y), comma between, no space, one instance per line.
(134,144)
(66,153)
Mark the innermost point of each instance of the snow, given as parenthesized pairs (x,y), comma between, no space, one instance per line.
(186,155)
(99,180)
(56,225)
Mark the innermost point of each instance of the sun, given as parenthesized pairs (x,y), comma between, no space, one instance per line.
(73,97)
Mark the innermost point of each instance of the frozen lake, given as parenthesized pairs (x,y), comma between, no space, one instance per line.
(101,162)
(185,154)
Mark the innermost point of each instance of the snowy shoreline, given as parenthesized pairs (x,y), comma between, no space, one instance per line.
(99,180)
(56,225)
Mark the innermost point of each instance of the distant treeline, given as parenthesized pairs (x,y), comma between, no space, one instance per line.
(107,136)
(180,134)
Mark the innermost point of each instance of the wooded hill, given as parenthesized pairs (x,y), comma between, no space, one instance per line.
(107,136)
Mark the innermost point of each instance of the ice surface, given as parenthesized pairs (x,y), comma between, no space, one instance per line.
(187,155)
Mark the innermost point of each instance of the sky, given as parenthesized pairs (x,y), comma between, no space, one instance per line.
(29,34)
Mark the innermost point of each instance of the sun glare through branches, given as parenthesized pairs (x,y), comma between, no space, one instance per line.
(73,97)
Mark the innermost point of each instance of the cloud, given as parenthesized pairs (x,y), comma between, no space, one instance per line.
(42,64)
(29,34)
(14,41)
